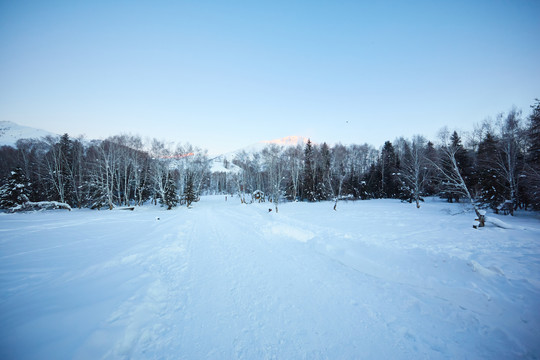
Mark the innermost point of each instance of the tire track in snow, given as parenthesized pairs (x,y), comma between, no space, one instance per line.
(211,314)
(223,284)
(148,319)
(415,298)
(255,297)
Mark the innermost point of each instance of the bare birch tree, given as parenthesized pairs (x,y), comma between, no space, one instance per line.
(159,170)
(510,149)
(414,167)
(451,172)
(274,163)
(340,169)
(293,156)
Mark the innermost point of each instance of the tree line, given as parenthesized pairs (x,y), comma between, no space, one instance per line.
(119,171)
(498,161)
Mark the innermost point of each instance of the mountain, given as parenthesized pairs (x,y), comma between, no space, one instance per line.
(259,146)
(287,141)
(223,163)
(10,132)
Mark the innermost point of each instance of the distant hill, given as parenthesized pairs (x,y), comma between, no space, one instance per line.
(10,132)
(218,163)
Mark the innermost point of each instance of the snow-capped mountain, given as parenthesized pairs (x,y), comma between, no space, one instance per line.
(259,146)
(286,141)
(10,132)
(223,163)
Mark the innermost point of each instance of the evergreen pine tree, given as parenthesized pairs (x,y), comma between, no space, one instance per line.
(96,198)
(432,183)
(322,188)
(489,181)
(308,185)
(189,190)
(66,153)
(170,197)
(16,190)
(389,168)
(532,172)
(534,136)
(406,178)
(373,180)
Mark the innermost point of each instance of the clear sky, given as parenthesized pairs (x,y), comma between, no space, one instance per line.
(225,74)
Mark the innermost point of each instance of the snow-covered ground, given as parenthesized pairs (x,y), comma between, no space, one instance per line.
(374,280)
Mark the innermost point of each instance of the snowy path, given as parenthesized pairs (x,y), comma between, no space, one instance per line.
(266,297)
(226,281)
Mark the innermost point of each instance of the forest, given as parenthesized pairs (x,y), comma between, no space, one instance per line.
(497,162)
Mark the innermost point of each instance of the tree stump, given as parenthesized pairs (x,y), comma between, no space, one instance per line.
(481,219)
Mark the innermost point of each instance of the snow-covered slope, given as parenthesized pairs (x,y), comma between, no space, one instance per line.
(286,141)
(223,163)
(10,132)
(376,279)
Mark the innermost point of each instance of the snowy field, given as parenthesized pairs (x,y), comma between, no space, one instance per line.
(375,280)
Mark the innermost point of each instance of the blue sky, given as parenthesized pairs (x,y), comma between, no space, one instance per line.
(225,74)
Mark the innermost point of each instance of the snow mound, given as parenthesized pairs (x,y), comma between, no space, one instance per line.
(491,271)
(295,233)
(40,205)
(498,223)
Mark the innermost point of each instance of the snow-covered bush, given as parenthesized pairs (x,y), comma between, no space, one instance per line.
(15,191)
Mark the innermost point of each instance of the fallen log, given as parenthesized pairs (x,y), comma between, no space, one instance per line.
(40,205)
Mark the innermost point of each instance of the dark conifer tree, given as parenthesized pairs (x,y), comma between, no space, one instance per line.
(405,188)
(8,161)
(432,183)
(170,197)
(489,181)
(534,136)
(389,168)
(462,157)
(308,183)
(532,170)
(96,198)
(355,185)
(189,190)
(66,153)
(322,188)
(373,181)
(16,190)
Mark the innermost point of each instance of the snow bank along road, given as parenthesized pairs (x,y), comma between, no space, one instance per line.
(374,280)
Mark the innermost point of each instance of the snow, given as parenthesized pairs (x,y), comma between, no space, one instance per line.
(498,222)
(216,166)
(10,132)
(40,205)
(217,162)
(223,280)
(261,145)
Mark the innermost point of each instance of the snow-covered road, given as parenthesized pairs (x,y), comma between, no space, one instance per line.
(376,279)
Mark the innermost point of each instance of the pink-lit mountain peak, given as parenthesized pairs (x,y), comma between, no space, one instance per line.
(287,141)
